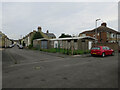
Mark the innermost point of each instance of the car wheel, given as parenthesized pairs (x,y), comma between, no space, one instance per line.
(103,54)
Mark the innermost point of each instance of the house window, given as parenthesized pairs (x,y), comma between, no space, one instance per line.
(112,35)
(83,35)
(98,34)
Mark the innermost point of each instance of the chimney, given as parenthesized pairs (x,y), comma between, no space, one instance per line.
(34,30)
(39,29)
(47,31)
(104,24)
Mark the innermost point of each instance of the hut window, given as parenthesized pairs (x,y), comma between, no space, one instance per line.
(83,40)
(69,40)
(75,40)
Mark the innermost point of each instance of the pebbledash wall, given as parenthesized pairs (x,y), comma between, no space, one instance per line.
(42,43)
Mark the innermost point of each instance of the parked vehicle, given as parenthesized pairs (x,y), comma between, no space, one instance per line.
(18,44)
(20,47)
(102,51)
(12,45)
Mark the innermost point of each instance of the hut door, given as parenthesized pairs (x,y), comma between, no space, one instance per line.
(44,44)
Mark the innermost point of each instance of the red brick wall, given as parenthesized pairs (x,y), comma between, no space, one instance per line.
(91,34)
(103,36)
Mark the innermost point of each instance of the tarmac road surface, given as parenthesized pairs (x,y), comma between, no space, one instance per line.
(23,68)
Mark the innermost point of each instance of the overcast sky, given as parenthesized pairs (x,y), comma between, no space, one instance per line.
(20,18)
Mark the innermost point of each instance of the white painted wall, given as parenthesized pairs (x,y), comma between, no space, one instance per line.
(89,45)
(55,44)
(28,41)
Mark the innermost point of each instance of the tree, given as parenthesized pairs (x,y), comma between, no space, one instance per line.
(36,35)
(64,36)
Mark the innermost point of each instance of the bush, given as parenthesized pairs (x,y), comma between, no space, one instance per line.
(36,35)
(80,52)
(63,51)
(34,48)
(86,52)
(30,46)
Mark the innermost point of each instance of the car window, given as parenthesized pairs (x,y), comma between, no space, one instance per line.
(107,48)
(96,48)
(104,48)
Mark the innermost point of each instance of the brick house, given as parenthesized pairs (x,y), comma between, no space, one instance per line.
(104,34)
(28,38)
(4,40)
(50,35)
(46,35)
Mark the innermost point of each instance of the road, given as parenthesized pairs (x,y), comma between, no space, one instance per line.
(24,68)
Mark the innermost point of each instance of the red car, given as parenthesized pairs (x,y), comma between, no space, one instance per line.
(102,51)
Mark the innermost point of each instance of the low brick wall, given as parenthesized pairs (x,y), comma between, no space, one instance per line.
(113,46)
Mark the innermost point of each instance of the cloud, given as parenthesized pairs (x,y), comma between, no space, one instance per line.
(60,0)
(72,18)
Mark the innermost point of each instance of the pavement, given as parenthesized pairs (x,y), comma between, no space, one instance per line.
(23,68)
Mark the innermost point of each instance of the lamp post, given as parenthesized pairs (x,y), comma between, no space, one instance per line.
(96,30)
(72,43)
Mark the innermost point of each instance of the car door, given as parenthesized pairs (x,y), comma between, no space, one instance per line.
(109,51)
(105,50)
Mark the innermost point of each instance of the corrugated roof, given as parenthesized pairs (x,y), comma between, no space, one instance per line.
(70,38)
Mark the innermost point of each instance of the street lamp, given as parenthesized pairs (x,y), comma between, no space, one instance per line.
(96,30)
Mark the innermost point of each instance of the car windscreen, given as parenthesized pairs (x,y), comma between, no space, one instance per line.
(96,48)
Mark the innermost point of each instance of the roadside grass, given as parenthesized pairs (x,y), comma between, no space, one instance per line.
(62,51)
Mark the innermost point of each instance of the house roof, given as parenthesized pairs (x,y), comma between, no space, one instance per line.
(42,39)
(101,29)
(50,35)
